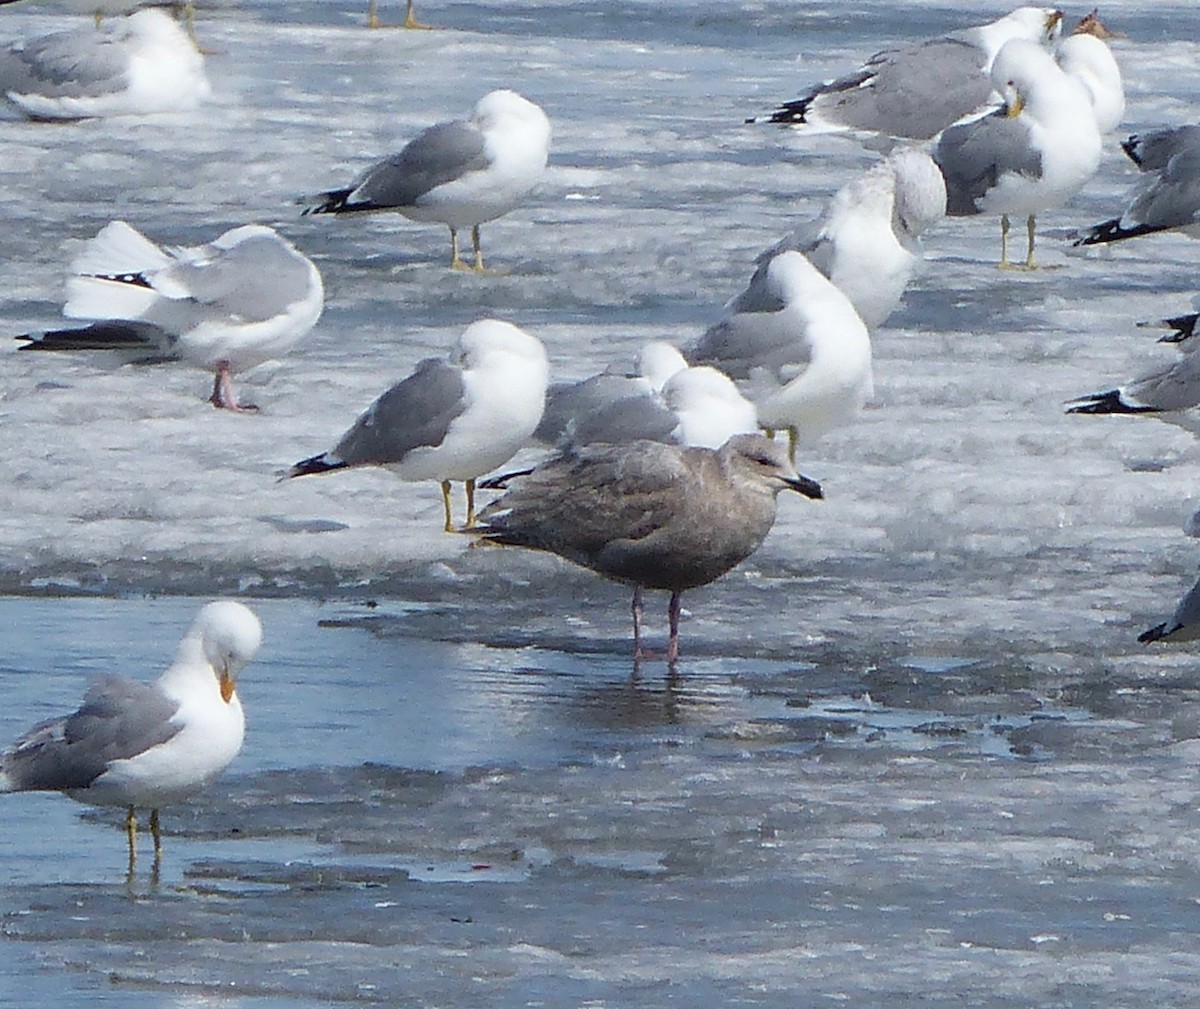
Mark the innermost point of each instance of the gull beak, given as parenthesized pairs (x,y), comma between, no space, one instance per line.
(1015,107)
(227,685)
(804,485)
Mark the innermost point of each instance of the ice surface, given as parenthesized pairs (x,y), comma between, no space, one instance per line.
(914,754)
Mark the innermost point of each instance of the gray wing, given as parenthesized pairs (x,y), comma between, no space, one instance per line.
(440,154)
(1174,387)
(65,65)
(120,718)
(914,92)
(255,280)
(1172,198)
(747,338)
(603,408)
(1151,151)
(973,156)
(413,413)
(1184,624)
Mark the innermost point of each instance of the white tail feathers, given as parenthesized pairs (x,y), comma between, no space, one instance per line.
(117,249)
(92,298)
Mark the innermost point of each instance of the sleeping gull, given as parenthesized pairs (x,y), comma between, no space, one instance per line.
(708,407)
(1184,624)
(1167,196)
(867,240)
(796,347)
(141,64)
(147,745)
(453,418)
(1033,154)
(461,173)
(242,299)
(917,91)
(1086,57)
(649,515)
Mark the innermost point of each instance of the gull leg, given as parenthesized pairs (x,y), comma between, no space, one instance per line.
(131,835)
(446,505)
(456,261)
(673,620)
(156,833)
(373,15)
(410,20)
(793,438)
(223,397)
(1004,263)
(470,523)
(636,609)
(478,249)
(1030,228)
(98,17)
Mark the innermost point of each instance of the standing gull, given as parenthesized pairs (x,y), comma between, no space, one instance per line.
(649,515)
(1167,197)
(147,745)
(1086,57)
(796,347)
(917,91)
(867,240)
(242,299)
(453,418)
(461,173)
(141,64)
(1033,154)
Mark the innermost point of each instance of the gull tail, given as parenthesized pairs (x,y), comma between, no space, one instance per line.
(336,201)
(322,463)
(1155,633)
(1106,402)
(119,249)
(111,275)
(1112,231)
(793,113)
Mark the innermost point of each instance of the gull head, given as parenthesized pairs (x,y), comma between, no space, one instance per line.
(755,460)
(230,636)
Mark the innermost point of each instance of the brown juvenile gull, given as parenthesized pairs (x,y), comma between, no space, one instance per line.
(146,745)
(650,515)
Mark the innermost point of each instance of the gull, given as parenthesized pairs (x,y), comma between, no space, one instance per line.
(796,347)
(1184,624)
(649,515)
(708,407)
(460,173)
(147,745)
(1085,56)
(453,418)
(867,239)
(1167,196)
(1033,154)
(144,63)
(916,91)
(227,306)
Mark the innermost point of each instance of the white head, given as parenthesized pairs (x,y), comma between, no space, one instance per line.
(1024,73)
(226,635)
(490,341)
(709,407)
(503,107)
(1089,60)
(657,361)
(920,192)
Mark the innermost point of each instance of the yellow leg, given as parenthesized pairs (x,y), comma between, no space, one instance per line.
(1030,228)
(1004,263)
(456,261)
(446,505)
(478,249)
(793,438)
(470,505)
(131,834)
(156,833)
(410,19)
(99,18)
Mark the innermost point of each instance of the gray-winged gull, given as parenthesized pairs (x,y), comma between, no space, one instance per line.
(1085,56)
(1033,154)
(867,239)
(453,418)
(796,347)
(1184,624)
(244,298)
(141,64)
(1167,196)
(147,745)
(649,515)
(460,173)
(918,90)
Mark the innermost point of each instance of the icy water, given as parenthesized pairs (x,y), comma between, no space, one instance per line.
(913,753)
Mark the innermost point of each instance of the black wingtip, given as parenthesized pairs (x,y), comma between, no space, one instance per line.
(332,202)
(1111,231)
(1130,146)
(1105,403)
(1155,633)
(314,464)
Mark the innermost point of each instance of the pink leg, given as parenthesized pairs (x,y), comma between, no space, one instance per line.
(673,617)
(223,397)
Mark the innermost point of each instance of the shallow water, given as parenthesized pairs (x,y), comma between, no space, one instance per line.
(912,754)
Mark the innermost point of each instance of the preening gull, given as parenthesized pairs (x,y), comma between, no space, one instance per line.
(1167,196)
(147,745)
(1184,624)
(453,418)
(1033,154)
(1168,387)
(708,407)
(410,18)
(1087,58)
(917,91)
(141,64)
(796,347)
(242,299)
(649,515)
(460,173)
(867,240)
